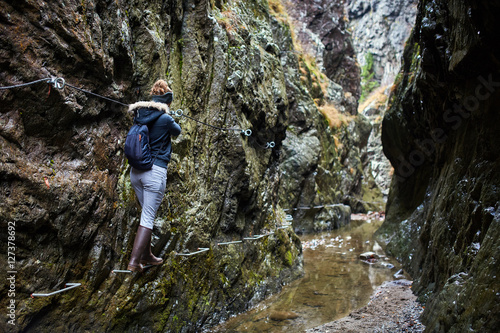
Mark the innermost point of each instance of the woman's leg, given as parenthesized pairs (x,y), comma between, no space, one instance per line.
(154,190)
(154,184)
(151,186)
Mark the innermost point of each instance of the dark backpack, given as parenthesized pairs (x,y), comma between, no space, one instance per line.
(137,148)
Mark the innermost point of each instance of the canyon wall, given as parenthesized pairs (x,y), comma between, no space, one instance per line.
(441,136)
(64,179)
(66,193)
(331,77)
(379,33)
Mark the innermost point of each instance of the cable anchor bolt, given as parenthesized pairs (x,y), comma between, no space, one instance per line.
(58,82)
(247,132)
(270,144)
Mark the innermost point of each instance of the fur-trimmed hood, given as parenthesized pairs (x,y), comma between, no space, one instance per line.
(153,105)
(148,112)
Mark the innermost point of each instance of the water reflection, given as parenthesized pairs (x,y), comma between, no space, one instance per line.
(336,282)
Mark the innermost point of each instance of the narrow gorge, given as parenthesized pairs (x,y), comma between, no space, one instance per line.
(281,105)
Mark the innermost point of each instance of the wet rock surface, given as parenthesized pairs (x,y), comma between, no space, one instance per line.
(283,315)
(440,135)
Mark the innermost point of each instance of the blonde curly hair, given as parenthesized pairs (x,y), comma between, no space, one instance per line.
(159,88)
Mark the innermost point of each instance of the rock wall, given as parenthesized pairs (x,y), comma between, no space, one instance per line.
(64,180)
(339,35)
(379,32)
(441,136)
(324,124)
(321,30)
(381,29)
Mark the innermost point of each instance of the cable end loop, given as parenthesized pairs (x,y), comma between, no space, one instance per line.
(178,113)
(270,144)
(57,82)
(247,132)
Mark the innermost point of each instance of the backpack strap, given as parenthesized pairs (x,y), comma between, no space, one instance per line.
(158,152)
(136,113)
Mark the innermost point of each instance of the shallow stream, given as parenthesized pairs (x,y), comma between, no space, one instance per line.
(336,282)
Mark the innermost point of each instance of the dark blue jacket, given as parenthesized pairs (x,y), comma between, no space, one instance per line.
(162,127)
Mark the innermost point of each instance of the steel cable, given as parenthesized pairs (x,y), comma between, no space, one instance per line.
(97,95)
(60,83)
(25,84)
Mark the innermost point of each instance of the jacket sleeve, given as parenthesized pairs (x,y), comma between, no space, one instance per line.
(173,127)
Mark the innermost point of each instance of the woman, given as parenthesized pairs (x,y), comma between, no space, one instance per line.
(149,185)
